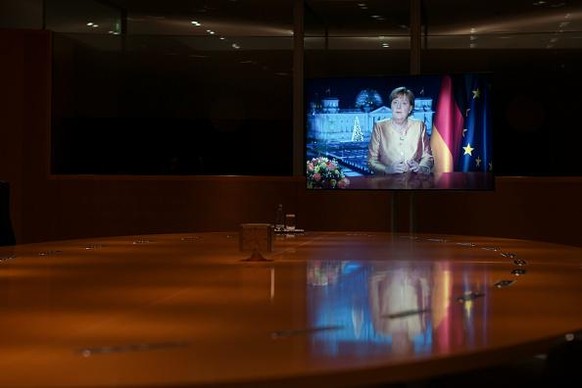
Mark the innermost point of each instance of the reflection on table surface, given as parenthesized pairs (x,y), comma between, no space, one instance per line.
(414,181)
(331,308)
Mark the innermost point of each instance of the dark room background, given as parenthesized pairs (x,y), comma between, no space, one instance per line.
(129,101)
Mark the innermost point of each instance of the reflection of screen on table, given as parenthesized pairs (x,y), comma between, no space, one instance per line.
(340,114)
(396,307)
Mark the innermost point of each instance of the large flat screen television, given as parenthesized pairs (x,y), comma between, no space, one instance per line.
(399,132)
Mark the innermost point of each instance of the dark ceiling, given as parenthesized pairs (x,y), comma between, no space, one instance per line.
(538,23)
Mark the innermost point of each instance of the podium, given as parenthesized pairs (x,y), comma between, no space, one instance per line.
(256,238)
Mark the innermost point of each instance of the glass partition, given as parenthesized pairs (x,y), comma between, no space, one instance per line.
(207,88)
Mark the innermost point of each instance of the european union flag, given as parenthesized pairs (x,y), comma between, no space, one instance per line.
(476,142)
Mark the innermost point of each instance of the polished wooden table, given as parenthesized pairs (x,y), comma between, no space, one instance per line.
(324,308)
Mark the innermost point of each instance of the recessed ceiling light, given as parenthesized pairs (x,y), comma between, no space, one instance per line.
(549,4)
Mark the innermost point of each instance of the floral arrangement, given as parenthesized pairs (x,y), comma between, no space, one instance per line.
(325,173)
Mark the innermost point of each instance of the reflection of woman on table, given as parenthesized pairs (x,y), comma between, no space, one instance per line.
(400,301)
(400,144)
